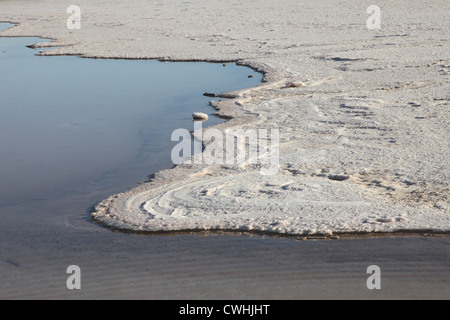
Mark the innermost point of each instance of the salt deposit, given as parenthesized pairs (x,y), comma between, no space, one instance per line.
(364,142)
(200,116)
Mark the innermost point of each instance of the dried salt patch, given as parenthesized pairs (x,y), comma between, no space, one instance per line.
(200,116)
(295,85)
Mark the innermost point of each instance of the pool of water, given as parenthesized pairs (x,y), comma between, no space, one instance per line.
(70,125)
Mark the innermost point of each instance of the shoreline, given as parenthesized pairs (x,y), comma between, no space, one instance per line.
(41,240)
(245,111)
(274,235)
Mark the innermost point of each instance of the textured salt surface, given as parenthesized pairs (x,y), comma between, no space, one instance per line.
(364,143)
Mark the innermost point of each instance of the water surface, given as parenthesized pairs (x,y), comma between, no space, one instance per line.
(70,125)
(73,131)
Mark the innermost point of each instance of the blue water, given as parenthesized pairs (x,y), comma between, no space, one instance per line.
(74,131)
(70,125)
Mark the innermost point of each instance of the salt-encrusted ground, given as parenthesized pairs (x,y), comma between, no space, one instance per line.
(374,108)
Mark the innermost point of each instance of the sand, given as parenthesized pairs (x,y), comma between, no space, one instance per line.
(373,108)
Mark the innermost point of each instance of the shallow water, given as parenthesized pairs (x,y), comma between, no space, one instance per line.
(67,143)
(69,125)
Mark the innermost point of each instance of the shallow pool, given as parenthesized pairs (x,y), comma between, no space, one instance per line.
(70,125)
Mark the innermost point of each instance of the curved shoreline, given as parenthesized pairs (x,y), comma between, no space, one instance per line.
(348,133)
(299,237)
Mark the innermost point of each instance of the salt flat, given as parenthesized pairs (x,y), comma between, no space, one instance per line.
(374,108)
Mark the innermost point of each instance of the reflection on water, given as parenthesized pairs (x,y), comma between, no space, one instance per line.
(70,125)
